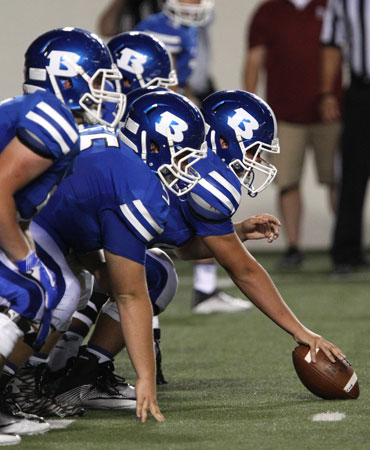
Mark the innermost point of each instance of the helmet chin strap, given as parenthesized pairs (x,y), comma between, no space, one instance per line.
(55,86)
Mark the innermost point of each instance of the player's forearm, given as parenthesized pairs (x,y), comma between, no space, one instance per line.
(257,285)
(12,240)
(136,321)
(238,227)
(194,249)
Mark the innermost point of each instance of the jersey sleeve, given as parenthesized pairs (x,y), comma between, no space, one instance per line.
(333,31)
(186,59)
(145,221)
(203,227)
(47,127)
(259,27)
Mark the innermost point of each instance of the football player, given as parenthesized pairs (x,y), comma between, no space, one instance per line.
(176,26)
(201,225)
(145,65)
(115,203)
(38,141)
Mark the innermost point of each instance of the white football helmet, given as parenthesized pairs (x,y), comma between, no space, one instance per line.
(189,13)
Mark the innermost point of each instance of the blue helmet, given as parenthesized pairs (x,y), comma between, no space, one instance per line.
(77,67)
(142,60)
(242,126)
(168,132)
(136,93)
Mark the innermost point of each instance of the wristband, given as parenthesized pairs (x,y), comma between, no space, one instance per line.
(324,94)
(28,263)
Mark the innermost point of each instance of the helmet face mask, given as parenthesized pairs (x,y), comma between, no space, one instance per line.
(142,60)
(168,133)
(179,176)
(189,13)
(248,126)
(82,59)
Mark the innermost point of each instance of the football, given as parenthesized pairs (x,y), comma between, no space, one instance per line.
(325,379)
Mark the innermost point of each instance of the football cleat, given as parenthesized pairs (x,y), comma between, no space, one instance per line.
(9,439)
(218,302)
(95,386)
(17,423)
(29,391)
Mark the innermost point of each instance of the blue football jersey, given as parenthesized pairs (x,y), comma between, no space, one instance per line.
(207,209)
(46,126)
(111,201)
(179,40)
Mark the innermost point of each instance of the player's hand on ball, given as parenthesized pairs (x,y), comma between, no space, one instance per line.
(146,400)
(314,341)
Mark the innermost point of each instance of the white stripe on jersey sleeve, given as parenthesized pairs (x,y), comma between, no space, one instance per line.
(172,43)
(147,216)
(169,39)
(208,186)
(226,184)
(50,129)
(70,131)
(135,223)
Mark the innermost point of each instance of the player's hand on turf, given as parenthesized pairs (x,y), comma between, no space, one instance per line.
(261,226)
(146,400)
(314,341)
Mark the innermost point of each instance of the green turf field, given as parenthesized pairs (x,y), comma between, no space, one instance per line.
(232,384)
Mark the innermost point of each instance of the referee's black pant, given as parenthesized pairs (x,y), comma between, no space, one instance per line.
(347,246)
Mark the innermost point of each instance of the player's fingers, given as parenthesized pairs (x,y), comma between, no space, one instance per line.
(156,413)
(333,352)
(144,411)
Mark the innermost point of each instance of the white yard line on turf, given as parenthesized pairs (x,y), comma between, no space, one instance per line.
(328,417)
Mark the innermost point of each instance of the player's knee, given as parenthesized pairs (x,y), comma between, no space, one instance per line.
(62,315)
(162,279)
(110,308)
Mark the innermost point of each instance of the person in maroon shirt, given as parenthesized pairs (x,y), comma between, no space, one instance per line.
(284,40)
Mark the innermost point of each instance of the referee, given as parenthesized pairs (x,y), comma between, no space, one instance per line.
(346,32)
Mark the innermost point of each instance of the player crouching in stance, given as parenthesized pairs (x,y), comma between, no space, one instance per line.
(75,65)
(243,127)
(38,141)
(114,203)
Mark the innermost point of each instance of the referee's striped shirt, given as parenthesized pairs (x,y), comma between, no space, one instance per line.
(346,24)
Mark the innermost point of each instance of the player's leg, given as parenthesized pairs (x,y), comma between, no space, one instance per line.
(91,381)
(27,385)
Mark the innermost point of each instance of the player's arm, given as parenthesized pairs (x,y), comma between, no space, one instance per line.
(253,65)
(128,287)
(18,166)
(260,226)
(256,284)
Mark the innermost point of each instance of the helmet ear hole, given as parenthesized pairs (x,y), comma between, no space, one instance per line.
(154,147)
(224,143)
(126,82)
(67,83)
